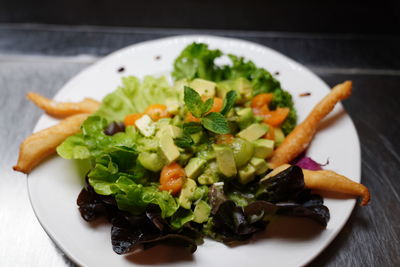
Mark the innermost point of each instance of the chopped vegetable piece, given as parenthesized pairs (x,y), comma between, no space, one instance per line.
(132,118)
(157,111)
(225,139)
(261,100)
(276,117)
(172,178)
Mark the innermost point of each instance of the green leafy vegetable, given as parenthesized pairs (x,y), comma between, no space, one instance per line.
(92,141)
(216,122)
(229,101)
(135,96)
(196,60)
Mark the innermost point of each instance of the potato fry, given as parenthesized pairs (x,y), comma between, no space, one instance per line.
(299,139)
(44,143)
(63,109)
(328,181)
(331,181)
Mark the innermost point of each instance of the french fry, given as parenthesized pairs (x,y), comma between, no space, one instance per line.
(63,109)
(40,145)
(331,181)
(328,181)
(299,139)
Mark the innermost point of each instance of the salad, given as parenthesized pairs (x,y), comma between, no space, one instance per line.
(205,157)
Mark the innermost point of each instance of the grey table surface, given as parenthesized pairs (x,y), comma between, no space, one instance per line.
(42,58)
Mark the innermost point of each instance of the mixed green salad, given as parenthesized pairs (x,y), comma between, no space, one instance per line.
(172,164)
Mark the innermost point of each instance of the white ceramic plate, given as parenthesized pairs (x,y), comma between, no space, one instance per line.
(55,184)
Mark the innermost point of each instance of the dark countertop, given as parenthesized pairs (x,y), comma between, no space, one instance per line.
(42,58)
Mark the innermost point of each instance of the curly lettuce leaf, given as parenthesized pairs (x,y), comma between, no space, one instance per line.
(93,141)
(135,96)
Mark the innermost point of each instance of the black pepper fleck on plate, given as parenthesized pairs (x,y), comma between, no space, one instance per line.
(276,73)
(157,57)
(305,94)
(121,69)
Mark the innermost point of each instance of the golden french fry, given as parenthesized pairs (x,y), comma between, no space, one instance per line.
(328,181)
(44,143)
(331,181)
(63,109)
(299,139)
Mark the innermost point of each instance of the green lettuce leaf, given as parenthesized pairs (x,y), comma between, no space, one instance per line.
(135,96)
(92,141)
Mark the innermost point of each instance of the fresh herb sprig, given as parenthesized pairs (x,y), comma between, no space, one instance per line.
(212,121)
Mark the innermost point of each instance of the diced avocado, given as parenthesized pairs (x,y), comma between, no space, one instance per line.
(145,125)
(210,175)
(200,192)
(179,87)
(279,136)
(225,160)
(201,212)
(194,167)
(184,158)
(172,106)
(259,164)
(177,121)
(197,137)
(187,193)
(206,154)
(168,149)
(170,130)
(263,148)
(203,87)
(246,117)
(151,161)
(246,174)
(242,151)
(253,132)
(242,87)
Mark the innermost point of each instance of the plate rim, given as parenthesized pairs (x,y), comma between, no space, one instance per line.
(192,38)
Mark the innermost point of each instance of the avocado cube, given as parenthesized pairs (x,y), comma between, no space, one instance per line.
(194,167)
(187,193)
(225,160)
(196,137)
(208,178)
(247,174)
(224,87)
(170,130)
(259,164)
(244,87)
(145,125)
(167,148)
(172,106)
(246,117)
(263,148)
(151,161)
(203,87)
(253,132)
(201,212)
(279,136)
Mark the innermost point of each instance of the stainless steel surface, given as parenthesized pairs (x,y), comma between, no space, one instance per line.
(42,59)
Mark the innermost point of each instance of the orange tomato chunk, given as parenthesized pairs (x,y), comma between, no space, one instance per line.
(172,178)
(157,111)
(262,99)
(224,139)
(276,117)
(132,118)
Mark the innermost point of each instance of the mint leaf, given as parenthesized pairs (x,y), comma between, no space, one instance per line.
(193,102)
(229,101)
(215,122)
(184,141)
(192,127)
(207,105)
